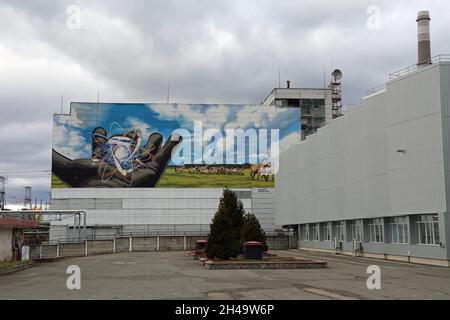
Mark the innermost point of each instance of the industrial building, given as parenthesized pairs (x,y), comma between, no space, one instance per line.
(376,181)
(315,105)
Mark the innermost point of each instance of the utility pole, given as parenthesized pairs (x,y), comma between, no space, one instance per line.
(168,92)
(3,193)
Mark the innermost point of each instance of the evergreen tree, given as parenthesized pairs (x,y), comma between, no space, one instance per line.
(252,231)
(225,230)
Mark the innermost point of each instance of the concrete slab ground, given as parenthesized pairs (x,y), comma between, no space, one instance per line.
(172,275)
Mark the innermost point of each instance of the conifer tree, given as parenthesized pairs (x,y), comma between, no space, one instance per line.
(252,231)
(225,230)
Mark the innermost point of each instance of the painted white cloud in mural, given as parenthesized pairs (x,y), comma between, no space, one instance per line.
(135,123)
(212,117)
(68,141)
(289,140)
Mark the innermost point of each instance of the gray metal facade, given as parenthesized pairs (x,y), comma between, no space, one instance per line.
(388,157)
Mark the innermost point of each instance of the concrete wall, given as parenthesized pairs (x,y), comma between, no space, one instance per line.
(145,244)
(5,244)
(262,206)
(95,247)
(72,249)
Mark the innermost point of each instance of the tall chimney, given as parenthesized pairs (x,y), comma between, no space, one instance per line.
(424,49)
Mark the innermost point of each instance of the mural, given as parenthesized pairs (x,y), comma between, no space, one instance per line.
(170,145)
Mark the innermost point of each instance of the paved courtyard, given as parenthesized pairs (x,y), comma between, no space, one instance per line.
(172,275)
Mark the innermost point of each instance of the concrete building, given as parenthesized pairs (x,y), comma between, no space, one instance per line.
(315,105)
(376,181)
(11,235)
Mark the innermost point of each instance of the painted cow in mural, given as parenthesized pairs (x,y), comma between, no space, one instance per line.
(263,169)
(267,172)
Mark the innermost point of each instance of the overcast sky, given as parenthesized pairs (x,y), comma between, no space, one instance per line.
(210,51)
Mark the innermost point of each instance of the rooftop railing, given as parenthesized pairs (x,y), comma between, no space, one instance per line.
(435,60)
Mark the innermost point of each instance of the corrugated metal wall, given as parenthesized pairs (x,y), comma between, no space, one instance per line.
(353,169)
(181,207)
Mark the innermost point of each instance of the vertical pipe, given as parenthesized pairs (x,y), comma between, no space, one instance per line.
(85,248)
(131,244)
(424,39)
(157,243)
(57,250)
(84,224)
(114,245)
(184,243)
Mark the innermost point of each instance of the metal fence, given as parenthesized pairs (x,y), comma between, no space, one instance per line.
(137,243)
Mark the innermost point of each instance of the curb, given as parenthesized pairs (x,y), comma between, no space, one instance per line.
(16,269)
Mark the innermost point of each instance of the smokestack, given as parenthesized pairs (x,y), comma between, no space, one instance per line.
(424,49)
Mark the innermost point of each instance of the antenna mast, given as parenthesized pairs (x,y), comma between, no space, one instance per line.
(62,100)
(336,93)
(168,91)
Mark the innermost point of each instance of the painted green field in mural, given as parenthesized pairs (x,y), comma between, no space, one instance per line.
(172,179)
(57,183)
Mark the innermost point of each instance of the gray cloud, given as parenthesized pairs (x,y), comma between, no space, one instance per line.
(210,51)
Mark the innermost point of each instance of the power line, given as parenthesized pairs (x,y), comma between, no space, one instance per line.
(19,172)
(27,174)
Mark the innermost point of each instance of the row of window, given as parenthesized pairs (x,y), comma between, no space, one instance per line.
(426,230)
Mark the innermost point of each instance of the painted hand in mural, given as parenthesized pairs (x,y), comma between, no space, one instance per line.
(118,161)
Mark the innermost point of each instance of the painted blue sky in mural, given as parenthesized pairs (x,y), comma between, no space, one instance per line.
(72,133)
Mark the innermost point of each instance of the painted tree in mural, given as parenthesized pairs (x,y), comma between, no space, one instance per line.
(224,237)
(252,231)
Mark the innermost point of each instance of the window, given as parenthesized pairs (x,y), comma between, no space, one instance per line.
(428,229)
(399,230)
(315,103)
(316,232)
(305,232)
(376,231)
(327,232)
(340,231)
(356,227)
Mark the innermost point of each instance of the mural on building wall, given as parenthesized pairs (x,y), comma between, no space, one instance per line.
(170,145)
